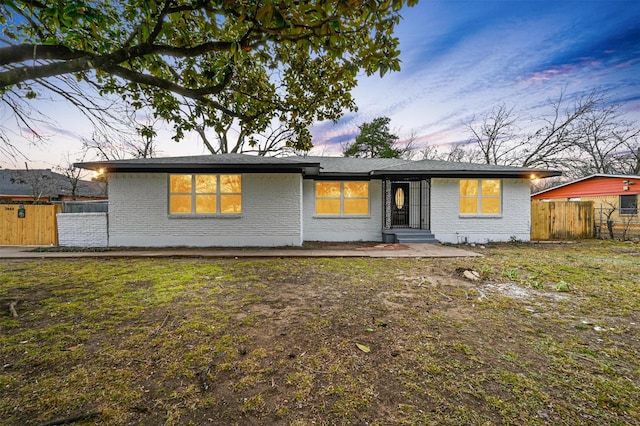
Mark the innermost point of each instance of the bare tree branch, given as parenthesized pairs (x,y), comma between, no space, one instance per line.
(494,135)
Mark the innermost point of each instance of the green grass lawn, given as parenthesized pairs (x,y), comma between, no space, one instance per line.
(550,335)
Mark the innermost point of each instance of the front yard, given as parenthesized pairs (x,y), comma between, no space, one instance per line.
(549,335)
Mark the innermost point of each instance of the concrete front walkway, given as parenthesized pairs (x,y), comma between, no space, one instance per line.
(382,250)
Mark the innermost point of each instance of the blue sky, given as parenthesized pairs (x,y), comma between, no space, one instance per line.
(461,58)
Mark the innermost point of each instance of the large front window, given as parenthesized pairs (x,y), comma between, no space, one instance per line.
(205,194)
(480,196)
(342,198)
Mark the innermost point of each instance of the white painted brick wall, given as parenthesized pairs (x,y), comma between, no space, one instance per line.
(343,228)
(82,229)
(449,227)
(271,214)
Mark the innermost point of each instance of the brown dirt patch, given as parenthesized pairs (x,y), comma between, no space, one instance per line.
(226,341)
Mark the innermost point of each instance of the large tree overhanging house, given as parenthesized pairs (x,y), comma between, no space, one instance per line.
(243,200)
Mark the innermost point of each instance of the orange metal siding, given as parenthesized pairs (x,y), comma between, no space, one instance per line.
(596,186)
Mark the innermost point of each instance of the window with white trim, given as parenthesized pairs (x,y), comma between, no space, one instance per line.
(348,198)
(205,194)
(480,196)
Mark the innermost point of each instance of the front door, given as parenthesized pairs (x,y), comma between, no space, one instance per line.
(400,204)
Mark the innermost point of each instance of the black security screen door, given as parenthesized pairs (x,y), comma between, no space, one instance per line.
(400,204)
(406,204)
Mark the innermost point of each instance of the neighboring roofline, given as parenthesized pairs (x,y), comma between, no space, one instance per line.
(585,178)
(57,185)
(25,196)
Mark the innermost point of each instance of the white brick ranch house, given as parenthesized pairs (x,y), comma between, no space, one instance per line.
(244,200)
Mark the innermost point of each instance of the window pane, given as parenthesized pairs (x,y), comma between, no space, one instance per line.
(206,183)
(399,198)
(327,206)
(468,205)
(328,190)
(629,204)
(230,203)
(180,183)
(356,189)
(230,183)
(206,204)
(358,206)
(491,206)
(490,187)
(468,187)
(628,201)
(179,204)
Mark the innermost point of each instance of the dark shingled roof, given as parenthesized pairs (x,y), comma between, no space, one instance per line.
(47,183)
(316,167)
(398,168)
(350,166)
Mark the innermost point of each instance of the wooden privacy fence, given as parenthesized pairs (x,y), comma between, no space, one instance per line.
(37,227)
(562,220)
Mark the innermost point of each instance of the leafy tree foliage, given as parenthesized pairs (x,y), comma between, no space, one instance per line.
(203,63)
(375,141)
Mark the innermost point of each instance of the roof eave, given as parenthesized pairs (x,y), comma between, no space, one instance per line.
(399,174)
(305,168)
(521,174)
(339,175)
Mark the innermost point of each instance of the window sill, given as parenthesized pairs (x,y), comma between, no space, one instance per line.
(480,216)
(337,216)
(204,216)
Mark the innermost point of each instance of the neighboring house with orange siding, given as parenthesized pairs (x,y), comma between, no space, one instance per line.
(614,197)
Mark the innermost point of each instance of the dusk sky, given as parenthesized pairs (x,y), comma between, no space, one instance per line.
(460,59)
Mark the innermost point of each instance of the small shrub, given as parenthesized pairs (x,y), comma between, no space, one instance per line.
(535,284)
(511,273)
(485,272)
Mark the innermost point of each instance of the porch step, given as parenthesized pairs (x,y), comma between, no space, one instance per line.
(403,236)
